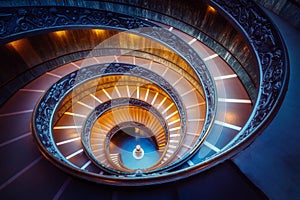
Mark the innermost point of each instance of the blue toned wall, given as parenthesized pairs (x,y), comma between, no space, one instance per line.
(272,161)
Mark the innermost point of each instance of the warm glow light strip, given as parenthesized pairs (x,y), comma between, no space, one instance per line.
(164,73)
(210,57)
(173,122)
(74,154)
(102,126)
(97,138)
(174,135)
(169,151)
(192,41)
(212,147)
(196,120)
(106,93)
(225,77)
(116,58)
(55,75)
(190,163)
(67,141)
(118,92)
(171,115)
(150,64)
(138,92)
(94,97)
(75,114)
(114,157)
(60,33)
(75,65)
(147,93)
(101,155)
(15,113)
(66,127)
(133,60)
(128,91)
(31,90)
(96,59)
(160,137)
(177,81)
(85,105)
(188,92)
(195,105)
(174,129)
(154,98)
(234,100)
(210,8)
(174,141)
(161,103)
(172,147)
(168,108)
(228,125)
(193,134)
(97,144)
(186,146)
(86,164)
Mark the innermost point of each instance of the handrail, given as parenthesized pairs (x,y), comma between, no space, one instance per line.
(106,106)
(272,58)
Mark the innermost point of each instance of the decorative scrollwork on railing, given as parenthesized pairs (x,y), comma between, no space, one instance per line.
(100,109)
(24,20)
(245,15)
(45,110)
(193,59)
(14,21)
(115,103)
(272,56)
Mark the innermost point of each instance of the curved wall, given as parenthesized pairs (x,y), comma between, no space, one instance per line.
(201,22)
(284,131)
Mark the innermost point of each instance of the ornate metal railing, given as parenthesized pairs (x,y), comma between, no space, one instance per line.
(16,22)
(272,57)
(47,107)
(263,37)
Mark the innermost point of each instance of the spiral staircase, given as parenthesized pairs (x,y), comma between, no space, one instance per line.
(133,101)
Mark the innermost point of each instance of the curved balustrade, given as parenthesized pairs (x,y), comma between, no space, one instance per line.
(201,133)
(271,54)
(160,102)
(100,124)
